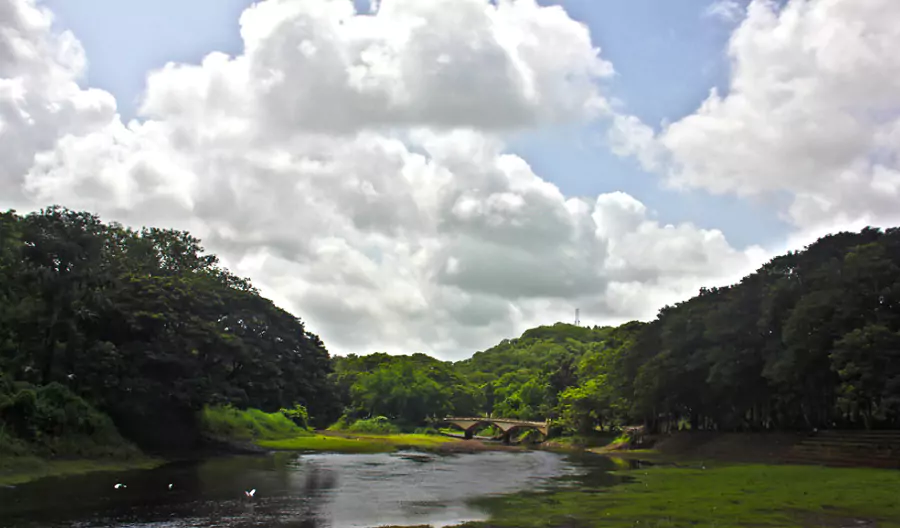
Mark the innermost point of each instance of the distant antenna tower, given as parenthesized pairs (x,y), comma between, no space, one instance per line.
(577,320)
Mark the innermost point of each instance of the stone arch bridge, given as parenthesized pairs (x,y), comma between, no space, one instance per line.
(506,425)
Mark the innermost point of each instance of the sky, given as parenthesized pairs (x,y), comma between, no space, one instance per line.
(412,176)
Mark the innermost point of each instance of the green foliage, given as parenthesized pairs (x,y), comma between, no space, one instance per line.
(299,415)
(426,431)
(11,446)
(376,425)
(809,340)
(250,424)
(526,378)
(52,421)
(147,328)
(407,390)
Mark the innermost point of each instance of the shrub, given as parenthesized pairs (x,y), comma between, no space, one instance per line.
(426,431)
(51,420)
(298,415)
(250,424)
(10,446)
(376,425)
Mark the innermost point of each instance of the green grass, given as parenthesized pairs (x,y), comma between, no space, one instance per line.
(357,443)
(728,496)
(250,424)
(410,440)
(335,444)
(19,470)
(581,441)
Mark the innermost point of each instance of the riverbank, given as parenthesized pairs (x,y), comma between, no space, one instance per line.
(19,470)
(338,442)
(873,449)
(760,448)
(727,495)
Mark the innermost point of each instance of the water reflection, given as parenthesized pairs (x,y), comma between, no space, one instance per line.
(309,491)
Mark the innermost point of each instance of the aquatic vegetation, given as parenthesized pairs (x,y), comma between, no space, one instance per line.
(739,495)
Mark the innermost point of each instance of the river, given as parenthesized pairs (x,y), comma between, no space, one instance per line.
(292,490)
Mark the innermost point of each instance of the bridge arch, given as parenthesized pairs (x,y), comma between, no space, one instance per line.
(526,427)
(506,425)
(468,427)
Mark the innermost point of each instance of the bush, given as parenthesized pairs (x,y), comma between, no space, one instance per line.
(426,431)
(10,446)
(51,420)
(530,436)
(376,425)
(298,415)
(251,424)
(342,424)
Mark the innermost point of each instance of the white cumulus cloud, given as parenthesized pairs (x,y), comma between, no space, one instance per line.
(40,100)
(811,112)
(354,167)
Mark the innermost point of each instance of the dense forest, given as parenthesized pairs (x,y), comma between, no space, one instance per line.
(102,325)
(109,333)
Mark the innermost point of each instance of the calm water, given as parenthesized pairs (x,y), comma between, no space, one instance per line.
(293,490)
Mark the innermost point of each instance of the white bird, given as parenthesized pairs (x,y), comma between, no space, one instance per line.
(71,376)
(250,493)
(120,486)
(171,486)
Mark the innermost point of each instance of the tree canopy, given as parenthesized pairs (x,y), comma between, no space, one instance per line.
(146,327)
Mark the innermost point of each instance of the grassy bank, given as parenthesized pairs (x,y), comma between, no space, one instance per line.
(276,431)
(726,496)
(360,443)
(606,441)
(104,450)
(249,424)
(19,470)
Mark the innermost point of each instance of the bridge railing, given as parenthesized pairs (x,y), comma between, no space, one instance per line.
(488,420)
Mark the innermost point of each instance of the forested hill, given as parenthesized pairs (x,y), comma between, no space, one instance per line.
(139,325)
(808,340)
